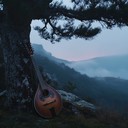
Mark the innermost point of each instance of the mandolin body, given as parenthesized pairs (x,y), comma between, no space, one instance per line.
(47,102)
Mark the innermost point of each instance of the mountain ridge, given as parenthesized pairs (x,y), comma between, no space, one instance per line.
(106,66)
(38,48)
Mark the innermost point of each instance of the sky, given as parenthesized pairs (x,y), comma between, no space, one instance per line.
(107,43)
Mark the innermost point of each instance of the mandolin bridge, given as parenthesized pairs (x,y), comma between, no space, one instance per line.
(49,103)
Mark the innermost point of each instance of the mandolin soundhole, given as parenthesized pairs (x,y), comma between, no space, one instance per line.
(45,92)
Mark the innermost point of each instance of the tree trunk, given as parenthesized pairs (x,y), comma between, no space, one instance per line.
(19,78)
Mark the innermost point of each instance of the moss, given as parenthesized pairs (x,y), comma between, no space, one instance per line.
(18,119)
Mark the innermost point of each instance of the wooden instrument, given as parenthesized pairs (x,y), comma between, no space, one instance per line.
(47,100)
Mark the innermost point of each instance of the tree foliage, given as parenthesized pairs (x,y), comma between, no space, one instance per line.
(61,21)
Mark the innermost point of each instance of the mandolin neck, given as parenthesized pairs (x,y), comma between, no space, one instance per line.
(38,73)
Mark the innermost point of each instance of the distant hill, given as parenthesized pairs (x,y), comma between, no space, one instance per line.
(105,91)
(109,66)
(38,48)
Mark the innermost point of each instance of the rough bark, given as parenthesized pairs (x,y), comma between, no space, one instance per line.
(19,78)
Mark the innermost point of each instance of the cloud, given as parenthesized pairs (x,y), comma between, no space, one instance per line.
(113,66)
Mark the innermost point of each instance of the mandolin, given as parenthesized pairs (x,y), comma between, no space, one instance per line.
(47,101)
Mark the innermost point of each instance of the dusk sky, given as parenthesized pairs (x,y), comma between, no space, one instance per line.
(108,42)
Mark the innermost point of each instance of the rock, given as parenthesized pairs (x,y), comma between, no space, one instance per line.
(76,101)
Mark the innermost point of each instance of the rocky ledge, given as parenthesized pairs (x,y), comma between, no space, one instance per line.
(76,101)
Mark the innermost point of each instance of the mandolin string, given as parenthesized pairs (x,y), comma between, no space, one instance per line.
(38,73)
